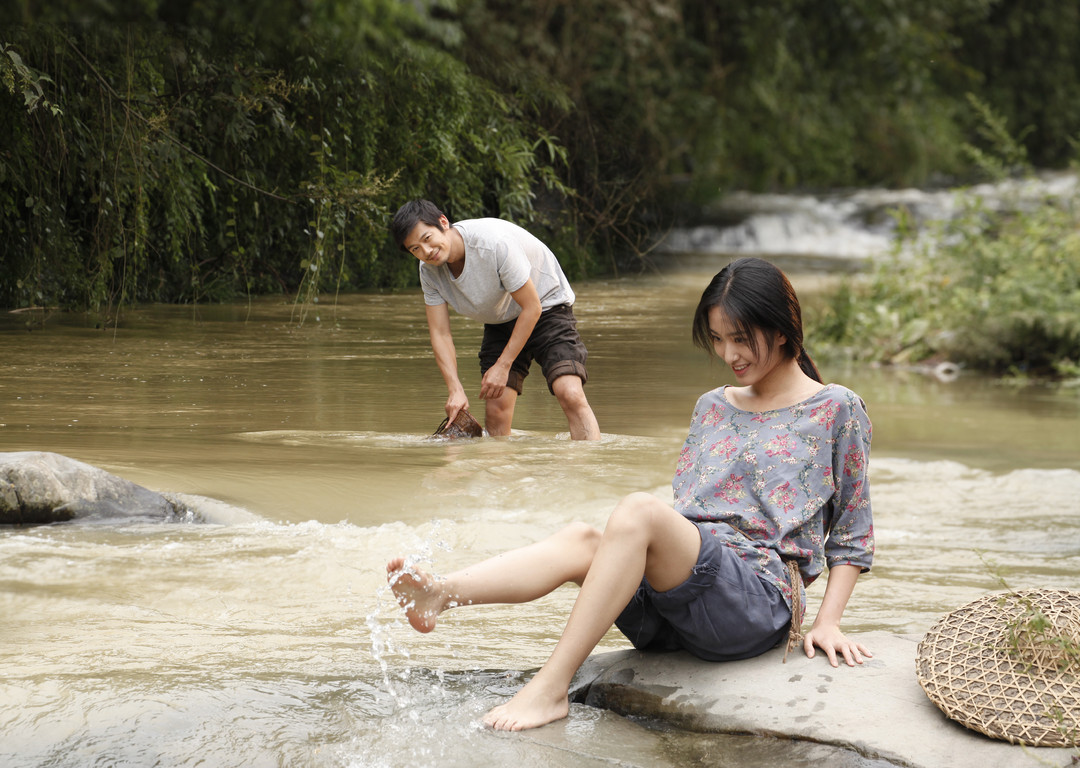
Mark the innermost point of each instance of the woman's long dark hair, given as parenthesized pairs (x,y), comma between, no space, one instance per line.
(752,293)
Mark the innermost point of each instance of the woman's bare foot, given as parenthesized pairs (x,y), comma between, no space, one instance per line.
(417,592)
(532,706)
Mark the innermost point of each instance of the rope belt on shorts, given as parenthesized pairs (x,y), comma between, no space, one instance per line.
(795,635)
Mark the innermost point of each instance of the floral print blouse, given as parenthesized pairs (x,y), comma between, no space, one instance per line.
(781,484)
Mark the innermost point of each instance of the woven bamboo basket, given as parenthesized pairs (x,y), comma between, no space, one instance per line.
(1008,665)
(463,425)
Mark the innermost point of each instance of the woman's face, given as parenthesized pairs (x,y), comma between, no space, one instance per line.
(738,351)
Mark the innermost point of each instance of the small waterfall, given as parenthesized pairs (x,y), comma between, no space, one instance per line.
(849,226)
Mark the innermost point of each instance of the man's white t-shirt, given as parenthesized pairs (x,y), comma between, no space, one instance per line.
(499,257)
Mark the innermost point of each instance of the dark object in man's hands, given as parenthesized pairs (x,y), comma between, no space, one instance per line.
(463,425)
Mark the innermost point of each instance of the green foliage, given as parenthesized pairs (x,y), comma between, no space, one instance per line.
(1025,61)
(624,86)
(198,151)
(16,76)
(996,290)
(993,290)
(211,150)
(663,103)
(1009,155)
(839,93)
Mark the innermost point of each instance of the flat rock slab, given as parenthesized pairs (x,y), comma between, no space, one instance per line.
(877,709)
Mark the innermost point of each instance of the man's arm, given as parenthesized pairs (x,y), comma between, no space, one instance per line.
(494,381)
(442,344)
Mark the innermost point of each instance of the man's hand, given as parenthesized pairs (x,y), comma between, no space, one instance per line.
(494,381)
(457,401)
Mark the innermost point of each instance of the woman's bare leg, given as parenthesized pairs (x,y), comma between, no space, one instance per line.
(643,537)
(517,576)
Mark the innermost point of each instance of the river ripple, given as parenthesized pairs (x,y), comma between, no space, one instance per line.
(265,635)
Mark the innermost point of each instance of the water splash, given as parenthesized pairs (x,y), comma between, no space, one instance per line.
(383,647)
(200,509)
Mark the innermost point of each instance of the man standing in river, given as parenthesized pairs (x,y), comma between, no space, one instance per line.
(500,274)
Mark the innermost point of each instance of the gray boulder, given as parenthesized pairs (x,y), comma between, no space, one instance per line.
(38,487)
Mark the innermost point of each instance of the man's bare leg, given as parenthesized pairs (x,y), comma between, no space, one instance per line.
(517,576)
(570,393)
(644,536)
(499,413)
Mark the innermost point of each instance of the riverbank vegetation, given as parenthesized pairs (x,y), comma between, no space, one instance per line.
(203,150)
(993,288)
(990,291)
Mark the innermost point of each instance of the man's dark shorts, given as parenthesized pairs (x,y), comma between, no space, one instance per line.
(723,611)
(554,343)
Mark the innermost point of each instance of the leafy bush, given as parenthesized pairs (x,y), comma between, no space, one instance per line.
(993,290)
(197,152)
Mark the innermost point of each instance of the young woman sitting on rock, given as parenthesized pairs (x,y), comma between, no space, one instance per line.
(773,470)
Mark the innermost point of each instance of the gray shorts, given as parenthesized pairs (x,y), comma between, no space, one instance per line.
(554,343)
(722,612)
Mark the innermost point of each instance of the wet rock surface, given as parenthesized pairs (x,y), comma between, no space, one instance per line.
(877,710)
(37,487)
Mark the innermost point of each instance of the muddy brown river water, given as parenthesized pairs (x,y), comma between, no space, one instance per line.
(265,635)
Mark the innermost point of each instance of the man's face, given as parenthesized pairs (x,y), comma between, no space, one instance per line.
(430,244)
